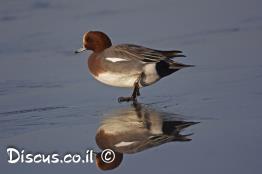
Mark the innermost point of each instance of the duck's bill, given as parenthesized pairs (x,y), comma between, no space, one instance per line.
(80,50)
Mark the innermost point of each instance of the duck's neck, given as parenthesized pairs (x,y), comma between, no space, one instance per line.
(100,48)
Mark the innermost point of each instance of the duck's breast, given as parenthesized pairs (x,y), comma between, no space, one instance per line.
(114,71)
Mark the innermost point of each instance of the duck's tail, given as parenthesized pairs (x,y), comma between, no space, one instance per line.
(179,127)
(172,53)
(184,124)
(167,67)
(175,65)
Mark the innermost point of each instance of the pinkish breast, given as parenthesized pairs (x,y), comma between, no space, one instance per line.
(94,65)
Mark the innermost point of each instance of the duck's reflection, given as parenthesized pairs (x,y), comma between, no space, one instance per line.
(135,129)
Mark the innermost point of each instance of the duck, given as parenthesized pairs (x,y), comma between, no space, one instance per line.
(137,128)
(127,65)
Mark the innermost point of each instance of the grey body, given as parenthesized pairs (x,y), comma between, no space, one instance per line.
(125,64)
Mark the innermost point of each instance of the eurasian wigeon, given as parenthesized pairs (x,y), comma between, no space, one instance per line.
(135,129)
(127,65)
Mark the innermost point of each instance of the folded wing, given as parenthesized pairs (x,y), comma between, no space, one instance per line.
(129,51)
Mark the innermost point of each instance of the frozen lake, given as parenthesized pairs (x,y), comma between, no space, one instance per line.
(50,103)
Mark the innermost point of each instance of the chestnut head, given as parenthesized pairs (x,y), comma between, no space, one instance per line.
(96,41)
(109,166)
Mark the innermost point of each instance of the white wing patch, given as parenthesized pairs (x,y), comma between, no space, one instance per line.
(124,143)
(116,59)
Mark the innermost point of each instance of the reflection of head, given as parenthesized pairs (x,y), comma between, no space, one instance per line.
(109,166)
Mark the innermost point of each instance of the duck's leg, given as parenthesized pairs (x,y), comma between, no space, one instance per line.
(134,95)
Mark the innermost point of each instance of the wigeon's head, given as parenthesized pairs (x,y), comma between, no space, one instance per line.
(96,41)
(100,163)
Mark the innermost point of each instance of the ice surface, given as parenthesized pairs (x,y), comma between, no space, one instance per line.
(49,102)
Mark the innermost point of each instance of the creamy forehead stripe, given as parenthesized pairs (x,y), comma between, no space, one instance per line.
(85,34)
(116,59)
(124,143)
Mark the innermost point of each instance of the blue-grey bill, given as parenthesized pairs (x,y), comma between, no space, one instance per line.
(80,50)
